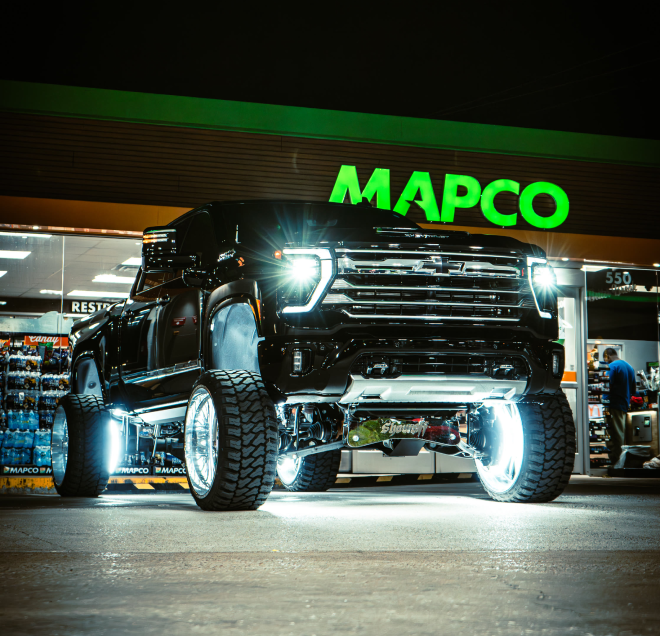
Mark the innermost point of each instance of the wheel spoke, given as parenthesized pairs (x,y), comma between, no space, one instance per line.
(59,446)
(201,446)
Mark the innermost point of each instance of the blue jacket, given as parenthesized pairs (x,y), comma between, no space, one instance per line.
(622,385)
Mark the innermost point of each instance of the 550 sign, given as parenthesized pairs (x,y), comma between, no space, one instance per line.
(420,190)
(618,278)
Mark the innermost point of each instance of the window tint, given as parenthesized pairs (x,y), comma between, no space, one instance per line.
(154,279)
(200,239)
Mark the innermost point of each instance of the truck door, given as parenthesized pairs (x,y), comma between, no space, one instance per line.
(160,351)
(138,343)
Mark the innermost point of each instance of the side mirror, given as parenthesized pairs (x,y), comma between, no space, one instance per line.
(194,277)
(159,251)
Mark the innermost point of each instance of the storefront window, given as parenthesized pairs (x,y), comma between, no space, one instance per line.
(623,314)
(47,283)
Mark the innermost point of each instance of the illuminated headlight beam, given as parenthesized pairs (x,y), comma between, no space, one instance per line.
(303,269)
(534,263)
(327,271)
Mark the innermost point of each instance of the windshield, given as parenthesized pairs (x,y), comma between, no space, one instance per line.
(307,222)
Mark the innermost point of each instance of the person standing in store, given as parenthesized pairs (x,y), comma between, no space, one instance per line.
(622,387)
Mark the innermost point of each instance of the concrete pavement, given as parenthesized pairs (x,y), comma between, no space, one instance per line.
(428,559)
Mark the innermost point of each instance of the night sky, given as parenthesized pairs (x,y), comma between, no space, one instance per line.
(536,65)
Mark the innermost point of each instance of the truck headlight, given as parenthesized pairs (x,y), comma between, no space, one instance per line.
(307,275)
(302,269)
(543,281)
(543,276)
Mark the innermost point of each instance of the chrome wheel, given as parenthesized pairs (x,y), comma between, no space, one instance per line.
(201,441)
(59,446)
(500,471)
(288,469)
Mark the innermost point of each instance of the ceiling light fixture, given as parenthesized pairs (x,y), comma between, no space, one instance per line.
(26,234)
(14,254)
(2,272)
(134,261)
(111,278)
(593,268)
(79,293)
(51,291)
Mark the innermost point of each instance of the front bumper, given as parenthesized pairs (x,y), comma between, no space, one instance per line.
(333,372)
(431,389)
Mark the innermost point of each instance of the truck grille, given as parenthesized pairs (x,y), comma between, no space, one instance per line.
(429,285)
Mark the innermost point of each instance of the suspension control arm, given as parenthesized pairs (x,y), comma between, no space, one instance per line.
(313,450)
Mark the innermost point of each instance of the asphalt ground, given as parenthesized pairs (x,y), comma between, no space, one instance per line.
(418,559)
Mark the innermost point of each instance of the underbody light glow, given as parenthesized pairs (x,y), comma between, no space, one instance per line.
(505,463)
(114,450)
(287,469)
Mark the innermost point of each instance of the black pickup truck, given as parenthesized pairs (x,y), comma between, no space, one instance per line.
(262,337)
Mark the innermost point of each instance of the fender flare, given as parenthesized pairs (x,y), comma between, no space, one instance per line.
(232,327)
(86,376)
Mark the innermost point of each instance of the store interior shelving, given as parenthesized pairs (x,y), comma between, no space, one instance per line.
(33,379)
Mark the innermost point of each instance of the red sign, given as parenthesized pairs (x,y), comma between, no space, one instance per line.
(57,341)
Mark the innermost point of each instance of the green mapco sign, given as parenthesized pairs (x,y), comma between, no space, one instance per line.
(420,190)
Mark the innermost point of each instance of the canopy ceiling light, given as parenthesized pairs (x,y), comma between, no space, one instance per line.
(79,293)
(134,261)
(26,234)
(15,254)
(111,278)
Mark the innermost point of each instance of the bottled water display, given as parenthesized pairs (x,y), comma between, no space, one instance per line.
(41,456)
(31,388)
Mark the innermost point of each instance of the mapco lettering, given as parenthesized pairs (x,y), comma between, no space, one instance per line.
(420,190)
(166,470)
(132,470)
(27,470)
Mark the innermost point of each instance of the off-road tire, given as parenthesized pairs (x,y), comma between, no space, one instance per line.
(317,473)
(549,455)
(86,473)
(247,432)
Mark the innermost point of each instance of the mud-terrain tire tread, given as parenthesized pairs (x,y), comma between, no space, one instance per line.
(248,437)
(317,473)
(549,432)
(89,438)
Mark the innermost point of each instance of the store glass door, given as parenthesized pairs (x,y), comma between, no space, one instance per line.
(570,299)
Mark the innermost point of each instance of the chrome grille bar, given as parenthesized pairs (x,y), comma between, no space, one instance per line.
(421,251)
(374,283)
(431,317)
(332,298)
(344,284)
